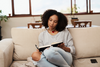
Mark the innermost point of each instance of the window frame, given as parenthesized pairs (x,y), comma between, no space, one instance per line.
(88,9)
(13,11)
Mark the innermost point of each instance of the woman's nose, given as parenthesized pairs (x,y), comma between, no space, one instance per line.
(52,23)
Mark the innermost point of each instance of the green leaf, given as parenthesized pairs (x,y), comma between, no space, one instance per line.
(5,18)
(0,11)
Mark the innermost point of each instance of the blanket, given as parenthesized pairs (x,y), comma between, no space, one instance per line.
(29,63)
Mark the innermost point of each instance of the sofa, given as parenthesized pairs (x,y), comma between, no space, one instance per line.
(22,45)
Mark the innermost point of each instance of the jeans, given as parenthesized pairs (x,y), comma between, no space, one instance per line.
(55,57)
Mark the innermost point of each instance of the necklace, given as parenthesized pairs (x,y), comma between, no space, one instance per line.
(52,31)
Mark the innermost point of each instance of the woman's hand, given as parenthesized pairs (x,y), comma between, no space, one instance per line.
(64,47)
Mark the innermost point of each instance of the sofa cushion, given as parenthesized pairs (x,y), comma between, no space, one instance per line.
(86,62)
(22,64)
(6,52)
(18,63)
(24,41)
(86,41)
(28,63)
(1,58)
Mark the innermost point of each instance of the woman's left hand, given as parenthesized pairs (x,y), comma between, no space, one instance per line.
(62,46)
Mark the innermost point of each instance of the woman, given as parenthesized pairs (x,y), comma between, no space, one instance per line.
(61,56)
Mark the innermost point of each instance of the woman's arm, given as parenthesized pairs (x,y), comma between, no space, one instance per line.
(68,43)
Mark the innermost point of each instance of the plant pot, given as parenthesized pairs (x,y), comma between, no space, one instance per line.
(91,11)
(0,33)
(73,19)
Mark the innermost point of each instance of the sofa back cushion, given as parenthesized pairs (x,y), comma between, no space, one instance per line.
(86,41)
(24,42)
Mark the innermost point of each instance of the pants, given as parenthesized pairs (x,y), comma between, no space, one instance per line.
(55,57)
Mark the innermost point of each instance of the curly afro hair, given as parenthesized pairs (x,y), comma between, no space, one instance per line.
(62,19)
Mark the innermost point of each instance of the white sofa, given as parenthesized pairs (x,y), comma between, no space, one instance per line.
(21,46)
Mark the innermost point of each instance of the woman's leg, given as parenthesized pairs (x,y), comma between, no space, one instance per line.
(40,60)
(66,55)
(55,57)
(36,55)
(44,63)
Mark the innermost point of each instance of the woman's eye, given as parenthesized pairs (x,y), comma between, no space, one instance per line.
(55,21)
(50,20)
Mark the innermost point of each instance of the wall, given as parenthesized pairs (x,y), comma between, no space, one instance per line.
(22,22)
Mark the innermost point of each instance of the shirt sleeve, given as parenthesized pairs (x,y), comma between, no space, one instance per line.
(40,39)
(69,42)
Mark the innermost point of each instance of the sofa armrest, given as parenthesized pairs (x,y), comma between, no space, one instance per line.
(6,52)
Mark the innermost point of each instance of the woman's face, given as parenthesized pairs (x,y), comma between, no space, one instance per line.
(52,22)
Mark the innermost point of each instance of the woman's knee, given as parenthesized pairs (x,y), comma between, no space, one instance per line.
(36,56)
(49,54)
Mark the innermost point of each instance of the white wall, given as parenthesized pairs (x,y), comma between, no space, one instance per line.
(22,22)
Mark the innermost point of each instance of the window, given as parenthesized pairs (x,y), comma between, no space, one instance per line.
(80,5)
(39,6)
(95,6)
(21,6)
(6,7)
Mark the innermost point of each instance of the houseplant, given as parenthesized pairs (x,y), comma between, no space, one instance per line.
(74,11)
(2,18)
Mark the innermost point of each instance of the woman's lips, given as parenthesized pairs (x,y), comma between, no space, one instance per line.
(51,26)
